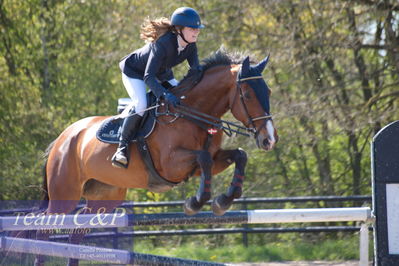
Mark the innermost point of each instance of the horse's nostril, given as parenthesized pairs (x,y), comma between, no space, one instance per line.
(266,142)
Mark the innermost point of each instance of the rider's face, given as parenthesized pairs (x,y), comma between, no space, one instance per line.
(190,34)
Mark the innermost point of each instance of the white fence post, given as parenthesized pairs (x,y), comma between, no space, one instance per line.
(364,245)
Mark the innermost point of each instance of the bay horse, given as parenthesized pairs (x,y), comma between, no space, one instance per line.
(79,165)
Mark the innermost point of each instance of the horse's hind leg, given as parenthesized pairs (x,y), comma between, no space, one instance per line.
(103,199)
(56,209)
(63,191)
(222,160)
(194,204)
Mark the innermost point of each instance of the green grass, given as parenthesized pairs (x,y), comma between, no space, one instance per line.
(329,250)
(208,249)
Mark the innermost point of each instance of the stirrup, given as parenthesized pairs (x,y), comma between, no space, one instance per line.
(122,162)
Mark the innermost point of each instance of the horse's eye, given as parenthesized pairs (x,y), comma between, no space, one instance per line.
(247,95)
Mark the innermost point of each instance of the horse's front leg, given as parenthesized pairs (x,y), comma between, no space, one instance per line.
(222,160)
(194,204)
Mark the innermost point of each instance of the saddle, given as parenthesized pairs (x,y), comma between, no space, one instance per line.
(110,129)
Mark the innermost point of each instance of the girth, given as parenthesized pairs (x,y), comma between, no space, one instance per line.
(156,183)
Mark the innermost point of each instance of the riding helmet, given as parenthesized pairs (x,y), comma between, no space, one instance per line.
(186,17)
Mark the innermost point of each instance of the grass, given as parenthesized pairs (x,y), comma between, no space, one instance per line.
(329,250)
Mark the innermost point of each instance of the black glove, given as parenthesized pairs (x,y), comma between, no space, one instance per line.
(195,70)
(167,85)
(171,99)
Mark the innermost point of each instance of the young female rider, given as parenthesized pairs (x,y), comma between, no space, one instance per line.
(170,42)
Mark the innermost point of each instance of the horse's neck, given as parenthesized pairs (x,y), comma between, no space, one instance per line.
(211,95)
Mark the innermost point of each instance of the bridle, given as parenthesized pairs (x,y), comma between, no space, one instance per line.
(228,127)
(251,121)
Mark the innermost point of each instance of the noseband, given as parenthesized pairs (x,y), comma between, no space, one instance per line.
(251,120)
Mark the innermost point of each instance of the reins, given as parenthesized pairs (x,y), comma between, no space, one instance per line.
(199,117)
(196,116)
(228,127)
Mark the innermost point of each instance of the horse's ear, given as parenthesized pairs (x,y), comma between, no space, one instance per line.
(262,64)
(245,66)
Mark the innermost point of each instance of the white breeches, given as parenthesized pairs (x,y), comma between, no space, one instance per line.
(137,92)
(136,89)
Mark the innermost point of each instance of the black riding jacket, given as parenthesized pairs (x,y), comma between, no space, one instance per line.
(153,62)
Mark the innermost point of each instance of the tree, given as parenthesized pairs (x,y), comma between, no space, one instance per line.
(333,73)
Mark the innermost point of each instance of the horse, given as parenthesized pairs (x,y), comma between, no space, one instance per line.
(79,165)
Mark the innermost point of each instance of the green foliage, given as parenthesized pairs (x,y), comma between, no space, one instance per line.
(331,71)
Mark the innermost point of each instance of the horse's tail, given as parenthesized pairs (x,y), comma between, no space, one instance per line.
(45,196)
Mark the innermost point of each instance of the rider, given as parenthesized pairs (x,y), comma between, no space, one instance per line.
(169,42)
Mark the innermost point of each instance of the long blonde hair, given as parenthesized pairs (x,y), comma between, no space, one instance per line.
(151,30)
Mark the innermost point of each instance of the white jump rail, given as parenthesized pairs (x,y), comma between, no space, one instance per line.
(121,219)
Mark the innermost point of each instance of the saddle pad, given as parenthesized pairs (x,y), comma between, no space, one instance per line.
(110,129)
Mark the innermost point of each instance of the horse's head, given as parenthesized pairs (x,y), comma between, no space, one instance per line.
(250,103)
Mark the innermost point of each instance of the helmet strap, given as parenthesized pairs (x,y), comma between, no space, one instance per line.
(182,35)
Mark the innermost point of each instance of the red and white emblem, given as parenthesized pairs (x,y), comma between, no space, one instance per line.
(212,131)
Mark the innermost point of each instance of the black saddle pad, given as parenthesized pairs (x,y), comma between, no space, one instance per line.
(110,129)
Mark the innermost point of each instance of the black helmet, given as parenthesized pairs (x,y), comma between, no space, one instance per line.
(186,17)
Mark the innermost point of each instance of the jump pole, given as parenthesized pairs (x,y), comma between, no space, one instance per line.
(12,223)
(114,256)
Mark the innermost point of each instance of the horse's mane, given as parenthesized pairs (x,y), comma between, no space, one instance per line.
(221,57)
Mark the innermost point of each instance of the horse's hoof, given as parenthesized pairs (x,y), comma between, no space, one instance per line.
(221,204)
(191,206)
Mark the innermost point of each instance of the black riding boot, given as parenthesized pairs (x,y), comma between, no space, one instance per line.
(129,128)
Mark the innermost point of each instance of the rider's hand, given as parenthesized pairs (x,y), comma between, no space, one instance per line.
(171,99)
(195,70)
